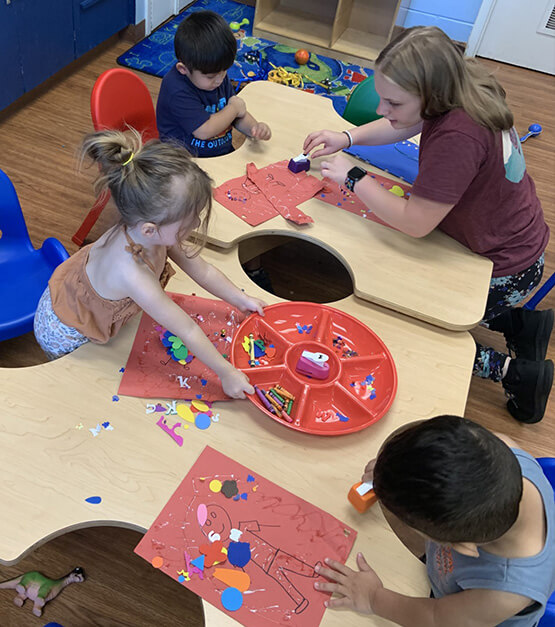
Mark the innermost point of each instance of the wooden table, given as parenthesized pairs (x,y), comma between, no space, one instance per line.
(49,466)
(435,278)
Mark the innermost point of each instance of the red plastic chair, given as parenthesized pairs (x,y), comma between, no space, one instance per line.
(119,99)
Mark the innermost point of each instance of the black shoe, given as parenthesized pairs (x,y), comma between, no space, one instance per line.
(261,278)
(526,332)
(528,384)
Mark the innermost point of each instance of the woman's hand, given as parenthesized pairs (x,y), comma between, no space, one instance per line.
(250,303)
(333,141)
(336,168)
(358,588)
(236,384)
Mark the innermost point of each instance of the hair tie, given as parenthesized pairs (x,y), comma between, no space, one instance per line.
(128,160)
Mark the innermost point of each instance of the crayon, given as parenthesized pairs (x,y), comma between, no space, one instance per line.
(264,400)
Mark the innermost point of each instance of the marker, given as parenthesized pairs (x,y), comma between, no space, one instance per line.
(251,361)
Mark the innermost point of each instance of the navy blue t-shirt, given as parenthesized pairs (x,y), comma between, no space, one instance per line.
(182,108)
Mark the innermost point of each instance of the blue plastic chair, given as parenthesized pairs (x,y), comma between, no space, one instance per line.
(548,467)
(24,271)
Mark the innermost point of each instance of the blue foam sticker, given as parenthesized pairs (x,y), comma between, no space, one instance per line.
(244,496)
(250,478)
(232,599)
(95,500)
(239,553)
(181,579)
(202,421)
(199,562)
(199,396)
(115,398)
(203,382)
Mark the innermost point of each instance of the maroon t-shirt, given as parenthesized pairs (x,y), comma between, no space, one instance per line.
(497,213)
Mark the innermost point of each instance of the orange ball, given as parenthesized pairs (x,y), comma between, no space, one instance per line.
(302,56)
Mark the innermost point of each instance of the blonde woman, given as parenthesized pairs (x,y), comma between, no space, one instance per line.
(472,184)
(162,196)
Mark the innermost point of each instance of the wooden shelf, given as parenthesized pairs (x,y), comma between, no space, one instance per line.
(298,25)
(354,30)
(360,43)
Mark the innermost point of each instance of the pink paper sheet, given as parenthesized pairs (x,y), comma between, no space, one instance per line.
(151,372)
(286,538)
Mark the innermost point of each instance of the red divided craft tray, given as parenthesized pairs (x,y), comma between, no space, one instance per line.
(362,379)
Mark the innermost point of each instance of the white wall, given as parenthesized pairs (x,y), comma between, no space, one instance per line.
(140,11)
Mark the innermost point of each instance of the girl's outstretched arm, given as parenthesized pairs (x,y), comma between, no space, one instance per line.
(215,282)
(146,291)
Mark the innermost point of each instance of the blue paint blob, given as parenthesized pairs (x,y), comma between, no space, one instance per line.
(232,599)
(239,553)
(95,500)
(202,421)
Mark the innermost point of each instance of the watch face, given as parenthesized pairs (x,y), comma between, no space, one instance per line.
(356,173)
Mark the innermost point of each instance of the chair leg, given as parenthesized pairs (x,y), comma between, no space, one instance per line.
(91,218)
(541,293)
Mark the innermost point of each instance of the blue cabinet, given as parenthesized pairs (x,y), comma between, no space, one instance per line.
(40,37)
(96,20)
(10,59)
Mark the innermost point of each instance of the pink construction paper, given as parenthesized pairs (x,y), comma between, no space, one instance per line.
(286,536)
(150,371)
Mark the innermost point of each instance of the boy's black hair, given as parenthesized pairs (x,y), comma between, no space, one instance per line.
(204,42)
(451,479)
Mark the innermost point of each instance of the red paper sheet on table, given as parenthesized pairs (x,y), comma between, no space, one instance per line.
(273,541)
(336,195)
(151,372)
(265,193)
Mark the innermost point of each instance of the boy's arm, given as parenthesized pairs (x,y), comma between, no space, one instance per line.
(363,591)
(218,122)
(251,128)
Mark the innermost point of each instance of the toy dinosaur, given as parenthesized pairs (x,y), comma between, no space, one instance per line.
(40,589)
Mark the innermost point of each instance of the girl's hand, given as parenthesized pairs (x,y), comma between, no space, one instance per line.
(235,384)
(250,303)
(358,588)
(261,131)
(333,141)
(369,471)
(336,168)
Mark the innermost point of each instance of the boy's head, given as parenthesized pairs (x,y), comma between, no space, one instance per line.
(450,479)
(205,48)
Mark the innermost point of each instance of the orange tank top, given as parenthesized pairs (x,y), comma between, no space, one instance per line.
(77,304)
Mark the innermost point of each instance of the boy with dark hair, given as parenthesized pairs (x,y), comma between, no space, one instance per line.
(196,104)
(480,514)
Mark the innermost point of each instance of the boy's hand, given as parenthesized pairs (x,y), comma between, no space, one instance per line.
(357,588)
(249,303)
(336,168)
(369,471)
(261,131)
(235,384)
(333,141)
(239,105)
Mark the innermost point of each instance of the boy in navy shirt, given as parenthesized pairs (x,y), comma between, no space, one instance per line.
(196,105)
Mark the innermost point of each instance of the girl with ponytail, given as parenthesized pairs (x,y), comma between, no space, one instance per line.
(162,196)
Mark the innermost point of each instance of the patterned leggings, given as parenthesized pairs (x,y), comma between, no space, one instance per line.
(54,337)
(505,292)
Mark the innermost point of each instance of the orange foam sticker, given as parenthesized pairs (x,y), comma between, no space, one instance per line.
(234,578)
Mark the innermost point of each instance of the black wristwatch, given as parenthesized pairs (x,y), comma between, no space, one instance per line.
(354,175)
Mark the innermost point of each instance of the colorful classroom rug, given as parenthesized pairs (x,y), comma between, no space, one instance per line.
(255,57)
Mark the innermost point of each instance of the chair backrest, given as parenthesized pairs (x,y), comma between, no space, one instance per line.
(119,99)
(362,103)
(13,230)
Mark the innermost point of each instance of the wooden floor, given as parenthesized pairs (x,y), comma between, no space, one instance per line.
(39,136)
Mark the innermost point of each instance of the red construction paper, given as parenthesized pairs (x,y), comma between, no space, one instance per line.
(287,537)
(243,198)
(337,195)
(150,371)
(285,189)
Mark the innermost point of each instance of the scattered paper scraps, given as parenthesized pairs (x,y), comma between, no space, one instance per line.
(94,500)
(104,425)
(270,544)
(365,389)
(151,373)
